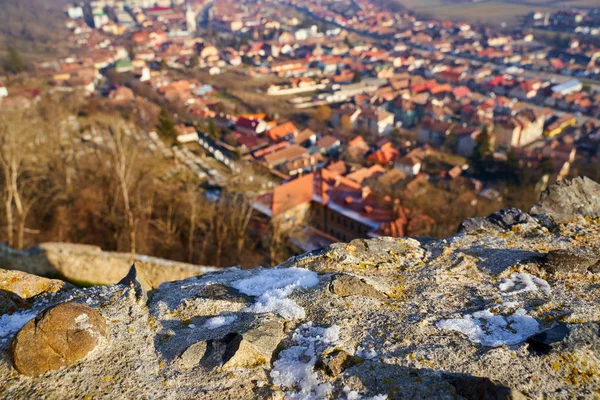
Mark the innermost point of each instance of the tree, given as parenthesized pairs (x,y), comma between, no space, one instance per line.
(323,113)
(194,61)
(166,127)
(346,124)
(14,63)
(483,150)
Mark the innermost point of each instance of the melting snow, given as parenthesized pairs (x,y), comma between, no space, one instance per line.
(218,322)
(273,286)
(493,330)
(294,369)
(366,352)
(521,282)
(11,323)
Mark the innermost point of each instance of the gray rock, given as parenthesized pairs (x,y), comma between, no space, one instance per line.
(255,346)
(59,336)
(572,260)
(478,224)
(249,348)
(496,222)
(219,291)
(10,302)
(349,285)
(509,217)
(192,356)
(336,362)
(568,198)
(477,388)
(544,342)
(136,280)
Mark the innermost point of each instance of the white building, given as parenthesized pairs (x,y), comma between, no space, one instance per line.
(190,18)
(569,87)
(75,12)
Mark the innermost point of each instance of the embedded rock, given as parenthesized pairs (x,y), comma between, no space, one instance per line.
(498,221)
(349,285)
(26,285)
(546,341)
(136,280)
(571,260)
(568,198)
(475,388)
(336,362)
(57,337)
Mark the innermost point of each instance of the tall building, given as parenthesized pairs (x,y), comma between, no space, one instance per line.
(190,17)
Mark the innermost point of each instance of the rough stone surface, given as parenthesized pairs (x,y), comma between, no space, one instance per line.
(136,279)
(57,337)
(546,341)
(475,388)
(26,285)
(460,319)
(89,265)
(349,285)
(570,198)
(571,260)
(336,362)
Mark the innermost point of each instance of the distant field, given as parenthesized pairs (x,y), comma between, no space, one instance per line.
(489,12)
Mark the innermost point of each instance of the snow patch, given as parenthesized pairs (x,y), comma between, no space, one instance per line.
(489,329)
(11,323)
(294,369)
(218,322)
(273,286)
(367,352)
(354,395)
(521,282)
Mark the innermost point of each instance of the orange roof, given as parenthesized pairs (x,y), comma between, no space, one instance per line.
(281,131)
(292,194)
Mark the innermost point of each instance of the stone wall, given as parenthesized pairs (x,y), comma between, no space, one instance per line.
(85,264)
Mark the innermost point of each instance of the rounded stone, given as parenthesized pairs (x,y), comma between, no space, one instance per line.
(58,337)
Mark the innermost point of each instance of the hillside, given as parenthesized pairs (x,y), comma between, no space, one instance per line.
(508,308)
(34,27)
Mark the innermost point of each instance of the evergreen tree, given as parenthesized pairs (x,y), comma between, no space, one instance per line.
(483,151)
(14,63)
(166,127)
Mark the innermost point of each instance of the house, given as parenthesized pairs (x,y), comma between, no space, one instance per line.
(466,139)
(250,125)
(378,121)
(345,117)
(328,144)
(384,155)
(3,90)
(283,131)
(285,155)
(432,131)
(560,124)
(409,164)
(568,87)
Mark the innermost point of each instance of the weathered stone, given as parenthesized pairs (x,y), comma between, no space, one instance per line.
(336,362)
(568,198)
(136,280)
(192,355)
(546,341)
(496,222)
(255,346)
(26,285)
(572,260)
(10,302)
(477,224)
(349,285)
(476,388)
(509,217)
(59,336)
(219,291)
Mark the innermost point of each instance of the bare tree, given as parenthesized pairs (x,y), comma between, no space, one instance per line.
(22,169)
